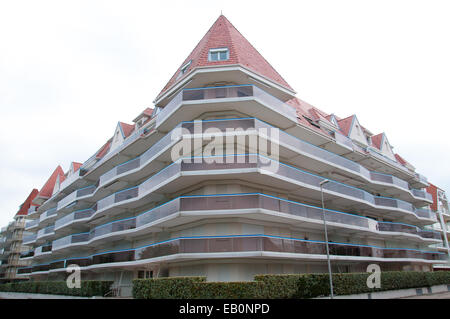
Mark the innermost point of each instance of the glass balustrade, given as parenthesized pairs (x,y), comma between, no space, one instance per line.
(241,202)
(262,163)
(240,244)
(250,123)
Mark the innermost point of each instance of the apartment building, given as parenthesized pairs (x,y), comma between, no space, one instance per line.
(11,246)
(224,178)
(440,206)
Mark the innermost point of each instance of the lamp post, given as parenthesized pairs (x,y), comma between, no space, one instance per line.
(326,237)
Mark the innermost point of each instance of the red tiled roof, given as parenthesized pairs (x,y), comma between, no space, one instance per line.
(47,189)
(103,150)
(76,166)
(302,109)
(23,210)
(432,189)
(376,140)
(148,112)
(346,124)
(224,34)
(400,160)
(127,129)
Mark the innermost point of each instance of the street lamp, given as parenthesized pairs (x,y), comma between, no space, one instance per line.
(326,236)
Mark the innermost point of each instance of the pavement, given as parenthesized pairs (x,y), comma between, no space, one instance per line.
(443,295)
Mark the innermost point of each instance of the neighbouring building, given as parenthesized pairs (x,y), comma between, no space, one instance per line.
(223,179)
(11,245)
(441,208)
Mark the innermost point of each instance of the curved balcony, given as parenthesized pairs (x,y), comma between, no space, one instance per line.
(47,217)
(252,100)
(27,254)
(298,151)
(45,234)
(30,239)
(32,224)
(78,216)
(43,250)
(76,196)
(258,246)
(254,206)
(260,170)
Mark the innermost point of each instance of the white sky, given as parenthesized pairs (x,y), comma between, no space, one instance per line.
(69,70)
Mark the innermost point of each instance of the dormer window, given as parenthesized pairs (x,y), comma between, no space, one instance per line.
(220,54)
(185,67)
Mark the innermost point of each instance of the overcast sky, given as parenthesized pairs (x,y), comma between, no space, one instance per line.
(69,70)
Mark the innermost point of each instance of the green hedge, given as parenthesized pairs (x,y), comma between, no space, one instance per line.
(317,285)
(88,288)
(282,286)
(166,288)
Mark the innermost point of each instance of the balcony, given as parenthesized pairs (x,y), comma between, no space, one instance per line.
(254,206)
(299,152)
(31,224)
(77,216)
(252,101)
(47,217)
(257,246)
(43,250)
(253,168)
(75,196)
(27,254)
(45,233)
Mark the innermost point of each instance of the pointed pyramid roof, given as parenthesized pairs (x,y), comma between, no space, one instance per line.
(224,34)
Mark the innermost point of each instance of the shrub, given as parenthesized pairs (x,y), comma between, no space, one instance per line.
(229,290)
(290,286)
(165,288)
(88,288)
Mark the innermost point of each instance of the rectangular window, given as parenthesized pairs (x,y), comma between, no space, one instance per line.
(220,54)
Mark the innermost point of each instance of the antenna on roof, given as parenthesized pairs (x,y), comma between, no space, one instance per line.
(221,12)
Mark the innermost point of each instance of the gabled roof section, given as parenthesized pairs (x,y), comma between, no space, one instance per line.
(148,112)
(75,166)
(47,189)
(103,150)
(377,139)
(346,124)
(23,210)
(223,34)
(126,129)
(302,109)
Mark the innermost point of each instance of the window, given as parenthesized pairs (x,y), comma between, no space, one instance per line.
(220,54)
(185,67)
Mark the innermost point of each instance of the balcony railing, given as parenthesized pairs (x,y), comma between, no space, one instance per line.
(85,191)
(29,239)
(27,254)
(242,202)
(267,166)
(31,223)
(42,250)
(46,231)
(235,92)
(296,248)
(75,216)
(49,213)
(296,144)
(32,209)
